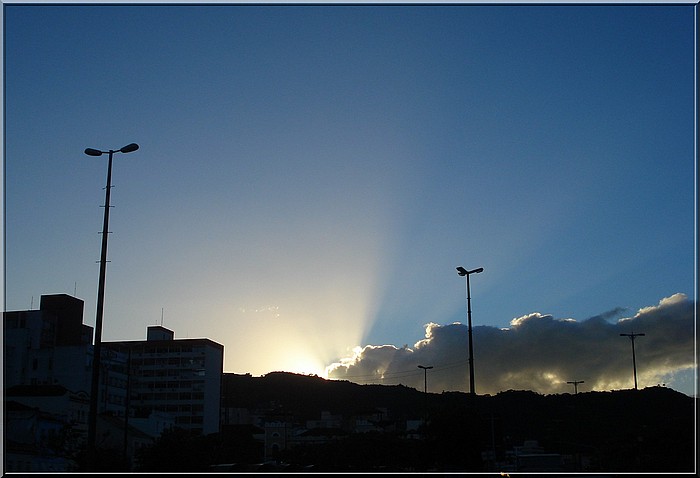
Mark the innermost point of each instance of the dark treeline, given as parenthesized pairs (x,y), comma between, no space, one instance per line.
(648,430)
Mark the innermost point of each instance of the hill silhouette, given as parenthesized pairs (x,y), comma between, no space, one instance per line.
(648,430)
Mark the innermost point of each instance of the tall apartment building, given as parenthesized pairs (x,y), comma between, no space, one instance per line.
(48,346)
(167,376)
(163,379)
(47,359)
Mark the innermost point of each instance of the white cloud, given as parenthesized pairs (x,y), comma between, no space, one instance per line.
(538,352)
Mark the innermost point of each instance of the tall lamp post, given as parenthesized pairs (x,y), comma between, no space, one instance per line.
(632,336)
(425,379)
(463,272)
(575,384)
(425,390)
(97,349)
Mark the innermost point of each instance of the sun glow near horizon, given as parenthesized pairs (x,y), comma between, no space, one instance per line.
(299,334)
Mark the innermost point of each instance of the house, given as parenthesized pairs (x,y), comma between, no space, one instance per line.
(120,440)
(71,407)
(37,441)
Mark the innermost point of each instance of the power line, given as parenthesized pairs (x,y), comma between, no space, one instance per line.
(402,373)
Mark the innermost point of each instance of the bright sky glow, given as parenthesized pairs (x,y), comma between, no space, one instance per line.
(309,177)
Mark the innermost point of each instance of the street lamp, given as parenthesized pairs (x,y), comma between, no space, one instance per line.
(634,360)
(425,389)
(425,380)
(463,272)
(575,384)
(97,348)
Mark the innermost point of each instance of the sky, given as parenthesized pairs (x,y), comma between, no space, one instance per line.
(309,177)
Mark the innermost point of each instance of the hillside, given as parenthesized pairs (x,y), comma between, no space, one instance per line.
(652,429)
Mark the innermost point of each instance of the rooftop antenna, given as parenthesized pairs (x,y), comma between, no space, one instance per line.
(161,317)
(32,304)
(75,289)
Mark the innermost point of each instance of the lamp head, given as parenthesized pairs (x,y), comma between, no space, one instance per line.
(129,148)
(93,152)
(461,271)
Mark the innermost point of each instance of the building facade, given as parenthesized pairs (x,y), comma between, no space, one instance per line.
(48,346)
(148,385)
(176,377)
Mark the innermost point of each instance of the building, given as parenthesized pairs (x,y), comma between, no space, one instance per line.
(150,385)
(36,440)
(176,377)
(48,346)
(71,407)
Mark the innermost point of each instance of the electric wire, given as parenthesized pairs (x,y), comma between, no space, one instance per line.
(377,377)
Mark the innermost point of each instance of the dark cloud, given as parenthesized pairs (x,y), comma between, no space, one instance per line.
(538,352)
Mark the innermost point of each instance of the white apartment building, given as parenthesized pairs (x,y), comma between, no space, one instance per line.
(173,381)
(176,377)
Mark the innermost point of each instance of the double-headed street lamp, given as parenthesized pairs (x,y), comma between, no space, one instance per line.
(632,336)
(97,348)
(425,389)
(425,380)
(463,272)
(575,384)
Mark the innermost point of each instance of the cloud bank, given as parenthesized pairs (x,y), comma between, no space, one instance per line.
(538,352)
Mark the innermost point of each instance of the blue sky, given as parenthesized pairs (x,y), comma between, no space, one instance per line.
(309,177)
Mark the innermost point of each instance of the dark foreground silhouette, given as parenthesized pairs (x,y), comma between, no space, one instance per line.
(648,430)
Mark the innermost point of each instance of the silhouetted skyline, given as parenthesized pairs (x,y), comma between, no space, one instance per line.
(309,177)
